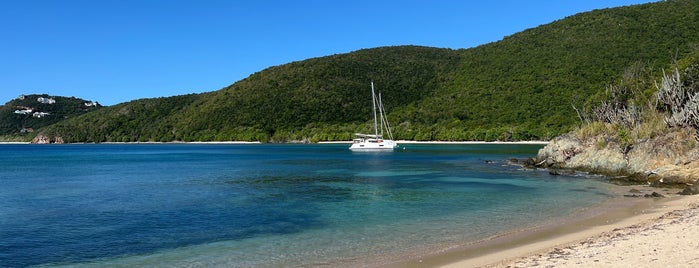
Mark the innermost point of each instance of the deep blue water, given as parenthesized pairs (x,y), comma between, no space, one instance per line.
(265,205)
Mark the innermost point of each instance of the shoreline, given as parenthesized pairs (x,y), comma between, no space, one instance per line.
(475,142)
(666,236)
(149,142)
(561,242)
(321,142)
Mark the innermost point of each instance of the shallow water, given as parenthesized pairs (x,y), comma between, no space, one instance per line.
(266,205)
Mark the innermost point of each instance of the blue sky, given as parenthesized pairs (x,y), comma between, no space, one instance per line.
(117,51)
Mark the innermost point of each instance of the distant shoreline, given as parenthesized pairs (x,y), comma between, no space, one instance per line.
(450,142)
(322,142)
(475,142)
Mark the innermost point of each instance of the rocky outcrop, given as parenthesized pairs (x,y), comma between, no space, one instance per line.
(668,160)
(43,139)
(691,189)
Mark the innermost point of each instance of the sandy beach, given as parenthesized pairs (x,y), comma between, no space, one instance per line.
(631,232)
(665,237)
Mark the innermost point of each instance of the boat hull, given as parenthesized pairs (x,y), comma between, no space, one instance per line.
(385,145)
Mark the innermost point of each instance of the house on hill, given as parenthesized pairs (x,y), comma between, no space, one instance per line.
(23,111)
(40,114)
(46,100)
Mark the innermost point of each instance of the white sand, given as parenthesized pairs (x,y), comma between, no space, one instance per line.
(670,240)
(667,236)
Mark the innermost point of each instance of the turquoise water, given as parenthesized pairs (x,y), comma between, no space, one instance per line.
(175,205)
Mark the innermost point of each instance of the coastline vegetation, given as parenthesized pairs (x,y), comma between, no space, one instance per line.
(645,105)
(533,85)
(643,129)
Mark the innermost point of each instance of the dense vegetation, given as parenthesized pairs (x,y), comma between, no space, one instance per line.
(523,87)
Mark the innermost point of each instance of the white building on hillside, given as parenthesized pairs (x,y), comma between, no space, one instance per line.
(46,100)
(40,114)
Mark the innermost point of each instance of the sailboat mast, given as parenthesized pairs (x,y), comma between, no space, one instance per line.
(385,120)
(373,102)
(381,115)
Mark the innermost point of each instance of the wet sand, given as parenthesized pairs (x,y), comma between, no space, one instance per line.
(624,232)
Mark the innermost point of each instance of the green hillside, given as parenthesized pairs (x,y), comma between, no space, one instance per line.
(525,84)
(520,88)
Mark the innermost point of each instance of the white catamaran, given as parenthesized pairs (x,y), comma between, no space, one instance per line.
(374,142)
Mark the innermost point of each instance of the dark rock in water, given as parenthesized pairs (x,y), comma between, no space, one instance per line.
(625,180)
(691,189)
(654,195)
(635,191)
(561,171)
(530,162)
(489,161)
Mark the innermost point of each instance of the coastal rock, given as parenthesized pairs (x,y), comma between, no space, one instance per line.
(43,139)
(667,160)
(570,152)
(691,189)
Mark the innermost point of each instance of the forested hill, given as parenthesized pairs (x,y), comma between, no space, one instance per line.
(520,88)
(526,83)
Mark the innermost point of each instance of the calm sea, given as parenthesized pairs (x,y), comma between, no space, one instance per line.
(173,205)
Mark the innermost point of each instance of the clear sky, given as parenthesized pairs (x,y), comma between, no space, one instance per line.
(113,51)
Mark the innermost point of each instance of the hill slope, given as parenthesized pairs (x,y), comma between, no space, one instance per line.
(528,81)
(521,87)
